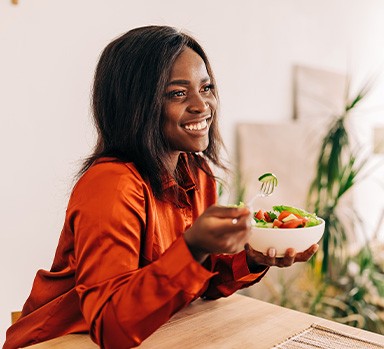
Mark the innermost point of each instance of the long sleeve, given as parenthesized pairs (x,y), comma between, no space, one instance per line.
(123,298)
(122,267)
(128,308)
(231,274)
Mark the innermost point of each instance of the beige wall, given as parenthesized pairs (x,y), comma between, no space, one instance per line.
(48,51)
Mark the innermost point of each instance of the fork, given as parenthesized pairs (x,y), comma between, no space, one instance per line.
(268,184)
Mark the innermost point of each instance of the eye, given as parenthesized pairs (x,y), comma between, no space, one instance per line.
(208,88)
(176,94)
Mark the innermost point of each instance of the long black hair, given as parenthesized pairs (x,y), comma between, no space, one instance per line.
(128,94)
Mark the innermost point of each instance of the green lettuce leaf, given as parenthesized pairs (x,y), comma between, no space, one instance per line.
(312,218)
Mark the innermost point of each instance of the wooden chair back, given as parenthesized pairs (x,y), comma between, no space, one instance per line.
(15,316)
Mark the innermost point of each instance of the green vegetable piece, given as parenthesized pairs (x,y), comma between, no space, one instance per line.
(263,224)
(312,218)
(268,177)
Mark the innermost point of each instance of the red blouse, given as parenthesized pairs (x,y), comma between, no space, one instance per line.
(122,267)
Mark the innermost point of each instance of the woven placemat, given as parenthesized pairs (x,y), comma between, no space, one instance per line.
(320,337)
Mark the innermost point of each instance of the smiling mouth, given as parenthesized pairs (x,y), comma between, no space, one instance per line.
(196,126)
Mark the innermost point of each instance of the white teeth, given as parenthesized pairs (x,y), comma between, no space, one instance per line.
(198,126)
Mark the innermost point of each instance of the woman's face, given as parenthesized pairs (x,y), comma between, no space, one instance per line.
(189,104)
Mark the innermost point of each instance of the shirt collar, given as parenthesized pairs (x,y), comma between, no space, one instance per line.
(187,181)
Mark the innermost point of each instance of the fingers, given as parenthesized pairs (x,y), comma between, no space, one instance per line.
(307,254)
(240,223)
(281,262)
(228,212)
(233,233)
(230,219)
(290,257)
(220,229)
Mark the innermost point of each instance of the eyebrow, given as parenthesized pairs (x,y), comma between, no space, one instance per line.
(186,82)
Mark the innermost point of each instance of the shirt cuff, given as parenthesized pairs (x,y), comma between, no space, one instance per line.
(183,269)
(241,271)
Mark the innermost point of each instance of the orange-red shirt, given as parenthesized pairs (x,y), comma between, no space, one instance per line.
(122,267)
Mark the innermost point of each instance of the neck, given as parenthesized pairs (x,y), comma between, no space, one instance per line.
(173,160)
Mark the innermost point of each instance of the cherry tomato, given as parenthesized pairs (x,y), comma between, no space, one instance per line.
(267,217)
(259,214)
(293,223)
(277,223)
(284,214)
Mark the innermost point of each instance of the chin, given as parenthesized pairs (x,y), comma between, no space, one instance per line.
(198,150)
(191,148)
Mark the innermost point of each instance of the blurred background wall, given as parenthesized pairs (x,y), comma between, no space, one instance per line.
(48,52)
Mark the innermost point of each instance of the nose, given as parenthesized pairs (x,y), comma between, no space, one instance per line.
(198,104)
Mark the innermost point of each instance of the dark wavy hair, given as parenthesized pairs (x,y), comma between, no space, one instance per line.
(128,94)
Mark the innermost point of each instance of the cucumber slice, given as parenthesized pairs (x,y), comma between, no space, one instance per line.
(268,177)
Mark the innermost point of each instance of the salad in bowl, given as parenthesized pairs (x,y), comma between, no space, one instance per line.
(285,227)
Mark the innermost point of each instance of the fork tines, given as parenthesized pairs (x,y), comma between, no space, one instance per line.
(267,187)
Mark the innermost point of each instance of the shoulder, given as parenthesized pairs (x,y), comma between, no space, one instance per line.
(109,171)
(108,178)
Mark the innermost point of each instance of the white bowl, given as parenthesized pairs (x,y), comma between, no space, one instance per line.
(261,239)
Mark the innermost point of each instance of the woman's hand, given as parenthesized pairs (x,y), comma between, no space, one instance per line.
(219,229)
(258,261)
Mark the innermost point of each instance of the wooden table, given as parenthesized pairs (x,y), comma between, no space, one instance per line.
(234,322)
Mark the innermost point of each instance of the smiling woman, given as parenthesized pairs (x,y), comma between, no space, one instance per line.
(189,105)
(142,226)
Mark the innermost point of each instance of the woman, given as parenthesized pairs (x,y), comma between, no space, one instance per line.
(142,236)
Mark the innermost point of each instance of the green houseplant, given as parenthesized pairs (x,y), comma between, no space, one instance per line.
(340,283)
(347,285)
(337,170)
